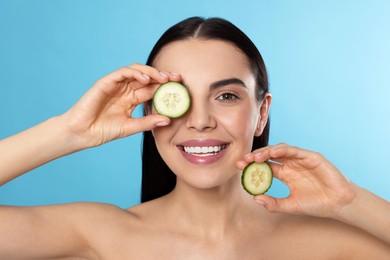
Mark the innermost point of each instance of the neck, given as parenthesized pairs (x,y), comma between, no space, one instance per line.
(212,212)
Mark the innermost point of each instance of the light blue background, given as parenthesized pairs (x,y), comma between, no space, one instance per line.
(328,62)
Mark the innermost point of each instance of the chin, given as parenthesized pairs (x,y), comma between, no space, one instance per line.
(207,180)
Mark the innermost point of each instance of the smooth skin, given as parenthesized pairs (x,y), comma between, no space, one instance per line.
(208,215)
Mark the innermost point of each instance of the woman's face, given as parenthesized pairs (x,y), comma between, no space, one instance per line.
(203,146)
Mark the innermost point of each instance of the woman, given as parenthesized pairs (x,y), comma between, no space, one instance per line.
(200,212)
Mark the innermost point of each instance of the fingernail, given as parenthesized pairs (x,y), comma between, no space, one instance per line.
(162,123)
(248,156)
(146,76)
(174,73)
(258,156)
(260,202)
(164,75)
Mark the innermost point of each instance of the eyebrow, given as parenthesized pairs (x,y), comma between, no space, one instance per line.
(225,82)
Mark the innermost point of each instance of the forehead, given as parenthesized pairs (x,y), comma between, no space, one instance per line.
(215,58)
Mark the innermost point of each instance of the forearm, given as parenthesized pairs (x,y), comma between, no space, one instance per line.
(369,213)
(34,147)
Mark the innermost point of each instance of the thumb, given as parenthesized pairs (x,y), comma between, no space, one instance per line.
(147,123)
(272,204)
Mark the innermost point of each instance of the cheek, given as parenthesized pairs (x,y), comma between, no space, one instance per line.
(161,137)
(164,135)
(161,134)
(241,123)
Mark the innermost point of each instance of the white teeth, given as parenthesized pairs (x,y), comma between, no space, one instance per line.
(203,149)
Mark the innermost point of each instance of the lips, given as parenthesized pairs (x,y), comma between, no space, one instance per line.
(205,151)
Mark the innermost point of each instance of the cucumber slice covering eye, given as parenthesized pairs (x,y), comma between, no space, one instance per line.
(256,178)
(171,99)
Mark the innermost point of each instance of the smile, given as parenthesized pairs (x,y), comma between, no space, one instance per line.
(203,150)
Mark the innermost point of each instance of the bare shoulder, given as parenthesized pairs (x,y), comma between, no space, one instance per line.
(110,231)
(83,214)
(92,220)
(116,233)
(329,237)
(63,230)
(101,217)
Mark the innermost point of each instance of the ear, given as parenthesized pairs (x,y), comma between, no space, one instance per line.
(263,114)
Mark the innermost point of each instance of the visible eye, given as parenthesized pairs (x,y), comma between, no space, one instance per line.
(227,96)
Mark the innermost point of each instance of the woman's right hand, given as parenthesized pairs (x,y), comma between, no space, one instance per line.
(104,113)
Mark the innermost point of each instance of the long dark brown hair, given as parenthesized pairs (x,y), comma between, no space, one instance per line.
(157,178)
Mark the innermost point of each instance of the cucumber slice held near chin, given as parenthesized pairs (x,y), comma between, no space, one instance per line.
(257,178)
(171,99)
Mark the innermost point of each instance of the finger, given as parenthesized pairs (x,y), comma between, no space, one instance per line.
(153,73)
(173,76)
(146,123)
(272,204)
(276,170)
(141,95)
(304,158)
(264,153)
(287,152)
(119,79)
(264,150)
(132,78)
(258,155)
(241,165)
(280,153)
(126,73)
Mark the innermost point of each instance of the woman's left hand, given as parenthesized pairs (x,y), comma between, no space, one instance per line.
(317,187)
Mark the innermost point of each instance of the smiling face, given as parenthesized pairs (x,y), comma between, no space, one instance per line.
(203,146)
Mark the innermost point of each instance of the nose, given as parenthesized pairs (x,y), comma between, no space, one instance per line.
(200,117)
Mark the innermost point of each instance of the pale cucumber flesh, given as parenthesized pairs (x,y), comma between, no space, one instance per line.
(171,99)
